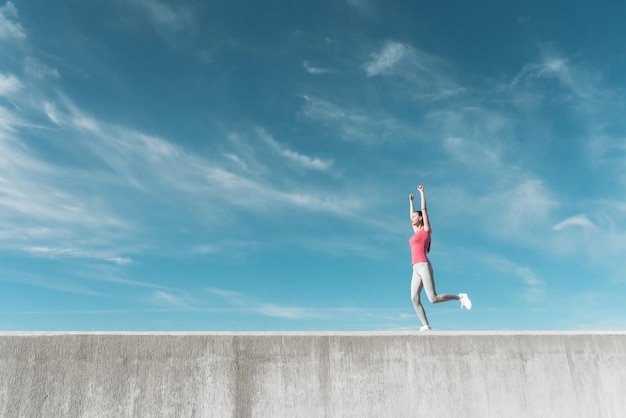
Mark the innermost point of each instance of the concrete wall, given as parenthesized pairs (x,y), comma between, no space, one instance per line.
(435,374)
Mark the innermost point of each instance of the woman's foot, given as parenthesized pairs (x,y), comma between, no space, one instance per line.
(465,301)
(425,328)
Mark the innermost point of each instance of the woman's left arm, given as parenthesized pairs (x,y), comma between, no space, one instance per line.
(425,219)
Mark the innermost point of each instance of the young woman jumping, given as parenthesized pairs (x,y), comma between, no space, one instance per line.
(423,277)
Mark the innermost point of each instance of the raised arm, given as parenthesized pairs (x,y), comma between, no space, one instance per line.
(412,214)
(425,219)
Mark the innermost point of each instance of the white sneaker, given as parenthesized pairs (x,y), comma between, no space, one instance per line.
(425,328)
(465,301)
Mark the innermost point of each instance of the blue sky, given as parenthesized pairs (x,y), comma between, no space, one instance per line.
(243,165)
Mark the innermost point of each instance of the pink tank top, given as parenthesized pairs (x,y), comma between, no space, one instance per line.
(419,243)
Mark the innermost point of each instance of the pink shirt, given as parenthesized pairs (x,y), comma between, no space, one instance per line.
(419,243)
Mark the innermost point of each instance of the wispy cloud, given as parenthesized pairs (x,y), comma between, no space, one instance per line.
(263,308)
(42,203)
(364,7)
(608,152)
(314,70)
(70,252)
(133,155)
(598,236)
(48,282)
(204,249)
(534,290)
(479,156)
(9,85)
(595,109)
(9,27)
(113,275)
(164,16)
(579,220)
(91,276)
(530,198)
(295,157)
(170,299)
(574,77)
(229,296)
(428,76)
(353,124)
(387,59)
(247,304)
(51,112)
(288,312)
(36,69)
(341,246)
(518,207)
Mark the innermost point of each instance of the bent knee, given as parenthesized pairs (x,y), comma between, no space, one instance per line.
(433,298)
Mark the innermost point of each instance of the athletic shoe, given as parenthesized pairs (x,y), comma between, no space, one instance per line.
(425,328)
(465,301)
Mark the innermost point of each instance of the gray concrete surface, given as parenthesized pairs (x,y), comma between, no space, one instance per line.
(384,374)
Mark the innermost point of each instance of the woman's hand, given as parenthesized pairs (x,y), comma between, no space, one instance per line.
(420,188)
(411,197)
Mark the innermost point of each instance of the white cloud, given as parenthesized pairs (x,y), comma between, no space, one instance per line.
(365,7)
(9,85)
(516,204)
(553,67)
(603,146)
(76,253)
(164,17)
(476,155)
(288,312)
(150,163)
(39,70)
(238,161)
(295,157)
(607,152)
(386,59)
(7,121)
(30,193)
(516,207)
(47,282)
(341,246)
(534,287)
(51,112)
(204,249)
(578,220)
(305,161)
(572,76)
(119,260)
(8,27)
(169,299)
(428,76)
(314,70)
(337,205)
(355,124)
(42,203)
(234,298)
(521,207)
(266,309)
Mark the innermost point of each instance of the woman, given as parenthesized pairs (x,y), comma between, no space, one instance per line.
(422,269)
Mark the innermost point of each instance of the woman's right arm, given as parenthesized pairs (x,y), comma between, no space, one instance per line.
(411,208)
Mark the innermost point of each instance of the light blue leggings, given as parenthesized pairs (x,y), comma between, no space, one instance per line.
(424,278)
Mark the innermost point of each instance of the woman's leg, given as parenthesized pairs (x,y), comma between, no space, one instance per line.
(425,270)
(416,289)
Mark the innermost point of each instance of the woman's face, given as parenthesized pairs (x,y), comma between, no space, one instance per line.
(416,219)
